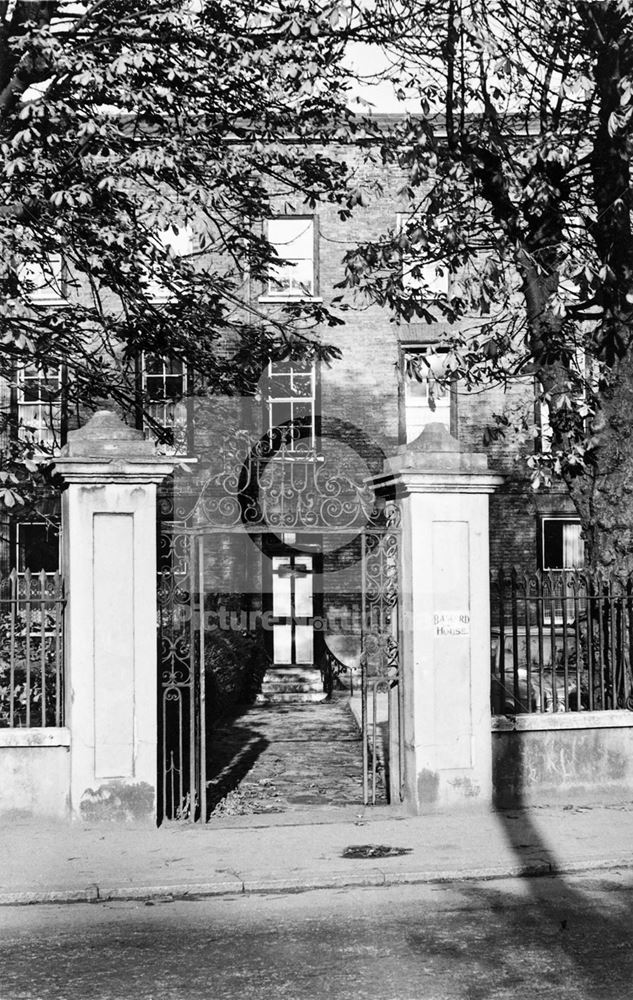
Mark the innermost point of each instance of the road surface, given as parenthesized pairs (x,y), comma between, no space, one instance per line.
(520,938)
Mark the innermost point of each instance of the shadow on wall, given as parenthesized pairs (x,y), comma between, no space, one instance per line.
(535,767)
(118,802)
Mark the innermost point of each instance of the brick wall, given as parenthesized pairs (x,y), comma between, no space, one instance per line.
(359,395)
(359,392)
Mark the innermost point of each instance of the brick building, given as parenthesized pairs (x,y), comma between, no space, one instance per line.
(368,398)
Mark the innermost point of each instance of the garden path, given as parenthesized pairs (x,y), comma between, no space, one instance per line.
(287,757)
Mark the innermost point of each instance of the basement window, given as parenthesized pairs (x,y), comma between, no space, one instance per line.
(562,546)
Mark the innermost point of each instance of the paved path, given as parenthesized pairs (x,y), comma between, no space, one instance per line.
(287,758)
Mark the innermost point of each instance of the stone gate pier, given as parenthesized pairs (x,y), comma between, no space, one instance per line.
(109,561)
(444,620)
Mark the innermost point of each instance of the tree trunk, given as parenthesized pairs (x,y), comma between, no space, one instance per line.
(605,499)
(604,495)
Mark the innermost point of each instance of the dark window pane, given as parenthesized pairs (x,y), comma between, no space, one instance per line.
(563,546)
(302,414)
(280,414)
(173,387)
(553,544)
(30,391)
(155,385)
(38,548)
(154,366)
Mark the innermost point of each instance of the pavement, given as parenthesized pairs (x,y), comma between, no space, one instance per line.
(334,848)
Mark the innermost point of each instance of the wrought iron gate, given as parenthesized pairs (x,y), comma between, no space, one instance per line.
(255,496)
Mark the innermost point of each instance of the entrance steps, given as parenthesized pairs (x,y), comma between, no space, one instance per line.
(283,685)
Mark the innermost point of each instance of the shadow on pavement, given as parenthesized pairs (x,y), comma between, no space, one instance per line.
(588,941)
(534,940)
(233,749)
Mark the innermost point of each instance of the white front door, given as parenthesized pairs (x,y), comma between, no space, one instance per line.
(293,610)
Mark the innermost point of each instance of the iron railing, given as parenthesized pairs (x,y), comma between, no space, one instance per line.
(562,641)
(31,650)
(331,669)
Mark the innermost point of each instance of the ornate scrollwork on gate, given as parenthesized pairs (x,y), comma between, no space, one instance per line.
(176,672)
(380,600)
(280,485)
(284,486)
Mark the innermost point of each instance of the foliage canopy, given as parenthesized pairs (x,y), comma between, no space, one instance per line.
(519,188)
(130,130)
(126,125)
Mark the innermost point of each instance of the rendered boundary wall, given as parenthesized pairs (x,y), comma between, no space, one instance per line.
(35,769)
(571,758)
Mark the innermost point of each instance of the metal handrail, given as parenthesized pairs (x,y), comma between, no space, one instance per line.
(331,669)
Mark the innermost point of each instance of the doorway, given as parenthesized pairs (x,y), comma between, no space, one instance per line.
(292,611)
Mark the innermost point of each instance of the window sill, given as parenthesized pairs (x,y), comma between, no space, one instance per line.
(46,457)
(276,299)
(49,303)
(164,451)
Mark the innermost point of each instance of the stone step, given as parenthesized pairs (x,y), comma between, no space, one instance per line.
(292,676)
(292,687)
(288,697)
(283,685)
(307,671)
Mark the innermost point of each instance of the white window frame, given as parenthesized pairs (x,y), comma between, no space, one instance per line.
(554,603)
(283,269)
(47,280)
(544,426)
(308,430)
(434,276)
(158,406)
(417,410)
(560,519)
(39,420)
(180,244)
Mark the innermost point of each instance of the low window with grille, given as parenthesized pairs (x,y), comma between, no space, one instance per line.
(562,550)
